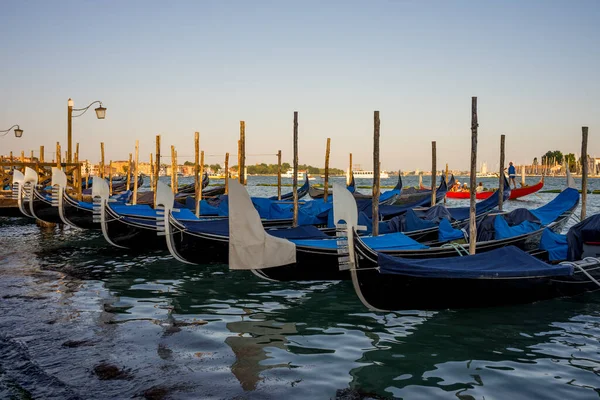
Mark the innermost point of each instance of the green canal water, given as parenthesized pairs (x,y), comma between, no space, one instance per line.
(82,320)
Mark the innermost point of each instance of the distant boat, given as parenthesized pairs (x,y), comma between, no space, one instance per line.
(290,174)
(361,174)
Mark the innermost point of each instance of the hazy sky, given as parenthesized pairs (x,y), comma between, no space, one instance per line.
(173,69)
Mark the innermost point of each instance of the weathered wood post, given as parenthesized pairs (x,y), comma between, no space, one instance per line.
(295,177)
(58,155)
(446,178)
(226,173)
(176,172)
(376,126)
(102,160)
(41,154)
(12,167)
(31,156)
(326,183)
(151,172)
(110,180)
(135,171)
(242,152)
(197,176)
(349,177)
(239,159)
(473,177)
(433,172)
(156,166)
(501,175)
(279,175)
(584,169)
(78,185)
(199,198)
(173,173)
(129,172)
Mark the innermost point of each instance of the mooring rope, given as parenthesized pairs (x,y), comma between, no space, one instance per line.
(590,261)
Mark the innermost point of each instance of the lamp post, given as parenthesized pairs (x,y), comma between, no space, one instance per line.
(100,114)
(18,131)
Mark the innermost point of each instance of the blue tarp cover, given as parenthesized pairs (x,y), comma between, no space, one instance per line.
(391,241)
(565,200)
(504,231)
(505,262)
(220,227)
(586,230)
(447,233)
(555,244)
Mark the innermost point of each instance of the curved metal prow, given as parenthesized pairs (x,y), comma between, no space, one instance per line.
(100,195)
(344,209)
(164,207)
(18,190)
(29,184)
(59,187)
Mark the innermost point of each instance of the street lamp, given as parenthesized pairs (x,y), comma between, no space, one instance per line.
(100,114)
(18,131)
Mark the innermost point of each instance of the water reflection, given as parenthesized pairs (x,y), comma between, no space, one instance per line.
(205,332)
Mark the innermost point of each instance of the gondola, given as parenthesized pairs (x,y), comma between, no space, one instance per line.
(386,198)
(192,240)
(386,282)
(302,191)
(317,258)
(413,197)
(203,241)
(514,193)
(316,193)
(190,188)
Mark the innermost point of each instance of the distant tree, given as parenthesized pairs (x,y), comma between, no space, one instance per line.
(558,156)
(571,162)
(535,161)
(215,167)
(188,163)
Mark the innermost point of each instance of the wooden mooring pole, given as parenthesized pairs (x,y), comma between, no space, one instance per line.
(58,155)
(173,172)
(156,166)
(102,160)
(242,152)
(501,174)
(295,177)
(326,183)
(226,173)
(433,172)
(129,171)
(110,181)
(197,176)
(584,170)
(279,175)
(349,177)
(446,178)
(151,172)
(473,177)
(135,171)
(41,154)
(375,206)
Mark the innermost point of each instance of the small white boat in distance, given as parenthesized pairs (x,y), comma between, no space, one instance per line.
(290,174)
(361,174)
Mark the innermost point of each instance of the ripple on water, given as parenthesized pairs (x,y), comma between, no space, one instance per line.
(71,306)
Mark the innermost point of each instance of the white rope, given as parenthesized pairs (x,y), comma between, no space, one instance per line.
(591,261)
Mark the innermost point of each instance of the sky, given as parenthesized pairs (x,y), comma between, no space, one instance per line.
(173,68)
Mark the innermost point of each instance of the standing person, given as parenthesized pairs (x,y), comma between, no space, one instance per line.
(512,173)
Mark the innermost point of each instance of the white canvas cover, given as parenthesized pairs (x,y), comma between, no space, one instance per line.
(250,247)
